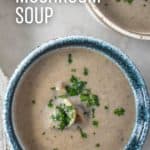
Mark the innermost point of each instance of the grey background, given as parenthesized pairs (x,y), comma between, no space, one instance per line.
(16,41)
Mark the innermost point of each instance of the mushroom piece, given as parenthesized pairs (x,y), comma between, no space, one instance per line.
(82,114)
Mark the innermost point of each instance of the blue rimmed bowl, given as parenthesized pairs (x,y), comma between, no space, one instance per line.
(142,99)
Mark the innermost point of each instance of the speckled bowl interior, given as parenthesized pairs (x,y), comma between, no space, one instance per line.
(135,79)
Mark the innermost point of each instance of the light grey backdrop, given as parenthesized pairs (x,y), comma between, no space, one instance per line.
(16,41)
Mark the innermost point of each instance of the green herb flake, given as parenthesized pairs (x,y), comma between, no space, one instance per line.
(86,113)
(33,102)
(106,107)
(50,104)
(128,1)
(70,58)
(53,88)
(73,70)
(119,111)
(75,87)
(55,148)
(97,145)
(95,123)
(85,71)
(90,99)
(82,133)
(93,113)
(63,96)
(62,116)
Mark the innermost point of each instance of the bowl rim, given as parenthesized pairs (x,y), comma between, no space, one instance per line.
(136,81)
(100,17)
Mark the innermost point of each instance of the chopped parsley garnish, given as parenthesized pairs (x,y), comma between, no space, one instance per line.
(62,116)
(53,88)
(90,99)
(87,113)
(63,96)
(106,107)
(119,111)
(55,148)
(76,86)
(85,71)
(70,58)
(128,1)
(50,104)
(82,133)
(73,70)
(97,145)
(93,113)
(33,101)
(95,123)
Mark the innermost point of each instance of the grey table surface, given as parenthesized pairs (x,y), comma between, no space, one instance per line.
(17,41)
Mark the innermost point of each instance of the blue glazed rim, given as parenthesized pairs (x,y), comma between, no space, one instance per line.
(134,77)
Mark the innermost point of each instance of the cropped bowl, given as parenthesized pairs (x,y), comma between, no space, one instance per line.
(116,22)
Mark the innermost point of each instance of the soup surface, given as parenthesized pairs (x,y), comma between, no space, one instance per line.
(113,114)
(133,17)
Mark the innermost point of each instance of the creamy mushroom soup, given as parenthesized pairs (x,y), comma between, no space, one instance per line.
(127,14)
(73,99)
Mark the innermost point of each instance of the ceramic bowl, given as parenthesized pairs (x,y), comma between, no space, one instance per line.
(132,20)
(115,55)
